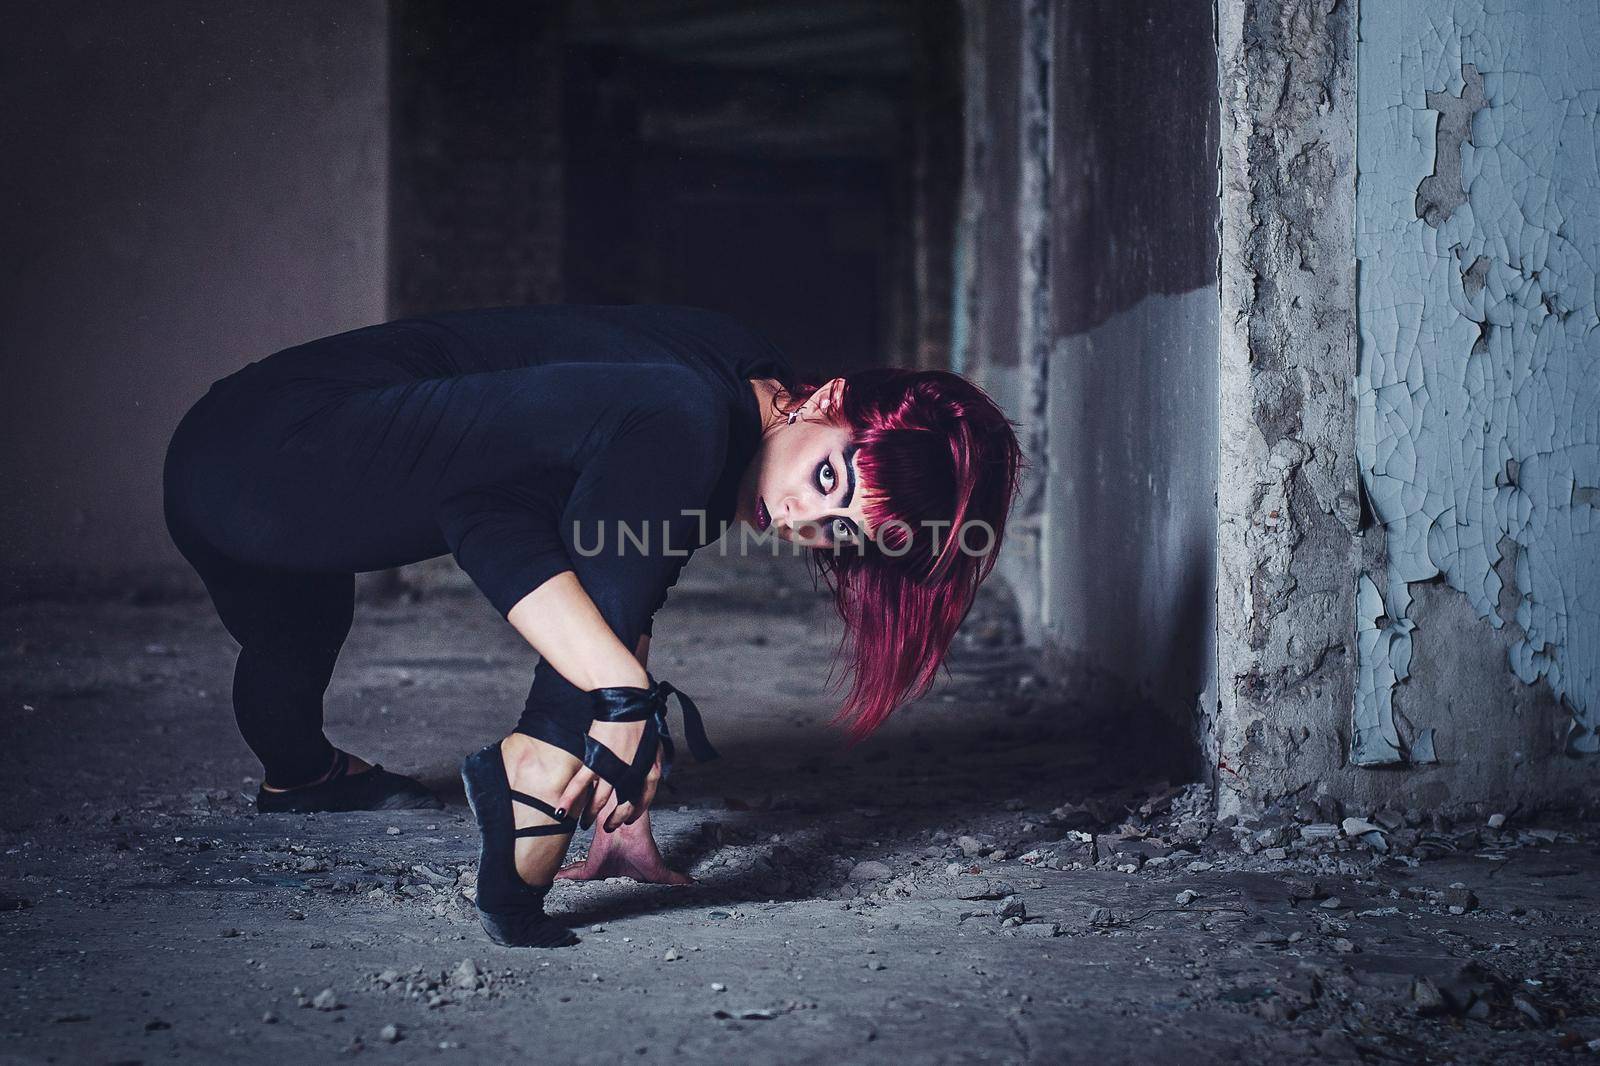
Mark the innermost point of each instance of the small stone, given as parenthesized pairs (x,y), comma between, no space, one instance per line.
(979,888)
(1354,827)
(871,870)
(389,1034)
(1011,907)
(466,976)
(1529,1009)
(718,986)
(1426,995)
(327,999)
(269,1017)
(1275,853)
(970,846)
(1389,819)
(1459,898)
(1343,946)
(1496,820)
(954,869)
(1332,903)
(1319,831)
(671,955)
(1186,897)
(393,830)
(388,977)
(229,933)
(875,964)
(1041,929)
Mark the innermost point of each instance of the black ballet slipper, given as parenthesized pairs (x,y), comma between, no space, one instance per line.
(510,910)
(374,790)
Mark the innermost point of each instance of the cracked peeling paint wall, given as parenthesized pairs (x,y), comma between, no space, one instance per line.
(1479,387)
(1090,312)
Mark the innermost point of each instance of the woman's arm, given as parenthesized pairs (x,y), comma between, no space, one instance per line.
(565,627)
(567,630)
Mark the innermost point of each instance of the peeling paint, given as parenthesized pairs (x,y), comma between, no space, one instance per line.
(1478,393)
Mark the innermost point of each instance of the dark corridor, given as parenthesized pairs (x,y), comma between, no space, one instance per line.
(796,167)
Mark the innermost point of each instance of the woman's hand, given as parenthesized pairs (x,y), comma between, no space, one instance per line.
(588,794)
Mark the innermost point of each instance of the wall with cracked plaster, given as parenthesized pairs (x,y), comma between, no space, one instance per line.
(1478,239)
(1430,596)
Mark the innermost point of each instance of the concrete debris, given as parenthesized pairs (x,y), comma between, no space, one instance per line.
(982,888)
(466,976)
(871,870)
(1263,931)
(1010,907)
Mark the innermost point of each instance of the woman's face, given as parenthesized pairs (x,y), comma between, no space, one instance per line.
(803,485)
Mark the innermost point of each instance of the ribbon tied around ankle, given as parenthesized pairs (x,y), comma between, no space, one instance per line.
(623,704)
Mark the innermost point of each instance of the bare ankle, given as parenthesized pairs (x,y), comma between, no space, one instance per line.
(532,763)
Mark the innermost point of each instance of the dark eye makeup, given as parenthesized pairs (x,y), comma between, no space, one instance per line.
(834,523)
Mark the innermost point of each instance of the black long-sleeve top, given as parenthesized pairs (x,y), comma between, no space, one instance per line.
(472,431)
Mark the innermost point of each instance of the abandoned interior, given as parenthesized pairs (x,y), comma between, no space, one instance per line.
(1275,737)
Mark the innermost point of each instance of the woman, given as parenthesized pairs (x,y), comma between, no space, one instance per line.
(570,459)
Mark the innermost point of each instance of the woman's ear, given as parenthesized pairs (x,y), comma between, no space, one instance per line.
(829,394)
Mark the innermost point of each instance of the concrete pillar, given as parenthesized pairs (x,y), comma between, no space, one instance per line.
(1288,504)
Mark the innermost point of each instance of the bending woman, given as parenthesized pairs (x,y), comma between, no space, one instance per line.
(570,459)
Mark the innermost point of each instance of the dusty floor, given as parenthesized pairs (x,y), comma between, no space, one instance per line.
(982,882)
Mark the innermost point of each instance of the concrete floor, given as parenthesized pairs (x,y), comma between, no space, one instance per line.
(150,916)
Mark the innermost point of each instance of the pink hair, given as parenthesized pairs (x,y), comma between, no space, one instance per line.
(933,447)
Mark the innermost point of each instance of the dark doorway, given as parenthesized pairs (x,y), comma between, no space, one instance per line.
(792,164)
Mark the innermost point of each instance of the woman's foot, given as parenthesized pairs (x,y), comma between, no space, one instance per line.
(355,765)
(522,838)
(541,771)
(350,785)
(630,852)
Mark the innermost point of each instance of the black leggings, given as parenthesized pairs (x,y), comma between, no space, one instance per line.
(280,567)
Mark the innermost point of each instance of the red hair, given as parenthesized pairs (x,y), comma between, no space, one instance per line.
(932,448)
